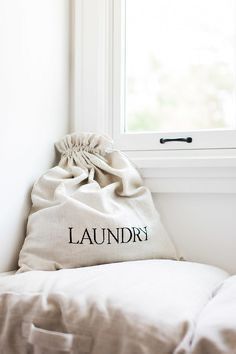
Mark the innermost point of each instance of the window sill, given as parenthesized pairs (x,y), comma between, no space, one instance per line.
(199,171)
(183,158)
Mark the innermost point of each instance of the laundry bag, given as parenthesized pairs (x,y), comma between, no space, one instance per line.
(91,209)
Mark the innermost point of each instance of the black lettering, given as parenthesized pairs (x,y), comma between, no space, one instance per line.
(122,235)
(136,231)
(86,238)
(144,230)
(95,236)
(116,237)
(70,235)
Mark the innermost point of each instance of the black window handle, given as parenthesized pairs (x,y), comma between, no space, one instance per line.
(186,140)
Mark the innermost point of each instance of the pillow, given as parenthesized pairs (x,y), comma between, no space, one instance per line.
(141,307)
(215,330)
(91,209)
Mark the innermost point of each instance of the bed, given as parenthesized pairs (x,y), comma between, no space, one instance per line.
(137,307)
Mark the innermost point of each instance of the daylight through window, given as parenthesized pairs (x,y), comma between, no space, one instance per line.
(180,65)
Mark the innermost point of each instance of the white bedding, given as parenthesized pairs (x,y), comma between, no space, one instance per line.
(142,307)
(215,332)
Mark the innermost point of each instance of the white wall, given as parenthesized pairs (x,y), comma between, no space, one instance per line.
(34,88)
(196,198)
(202,225)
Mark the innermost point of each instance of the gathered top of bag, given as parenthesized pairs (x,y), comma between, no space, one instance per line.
(90,142)
(77,147)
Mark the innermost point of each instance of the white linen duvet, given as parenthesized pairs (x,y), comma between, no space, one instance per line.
(139,307)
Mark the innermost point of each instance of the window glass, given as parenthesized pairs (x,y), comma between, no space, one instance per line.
(180,65)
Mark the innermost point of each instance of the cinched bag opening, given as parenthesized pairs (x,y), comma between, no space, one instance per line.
(78,150)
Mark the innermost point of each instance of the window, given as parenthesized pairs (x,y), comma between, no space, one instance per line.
(174,73)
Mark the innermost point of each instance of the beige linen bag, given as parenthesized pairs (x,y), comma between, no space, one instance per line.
(91,209)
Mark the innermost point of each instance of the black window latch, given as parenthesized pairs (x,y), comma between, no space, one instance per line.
(186,140)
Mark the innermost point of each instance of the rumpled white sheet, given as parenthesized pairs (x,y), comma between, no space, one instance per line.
(215,331)
(141,307)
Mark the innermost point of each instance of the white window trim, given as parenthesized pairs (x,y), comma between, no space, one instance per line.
(92,108)
(91,70)
(211,139)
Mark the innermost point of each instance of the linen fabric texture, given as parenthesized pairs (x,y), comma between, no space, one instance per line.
(141,307)
(91,209)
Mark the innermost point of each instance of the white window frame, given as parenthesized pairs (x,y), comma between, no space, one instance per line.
(204,139)
(96,95)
